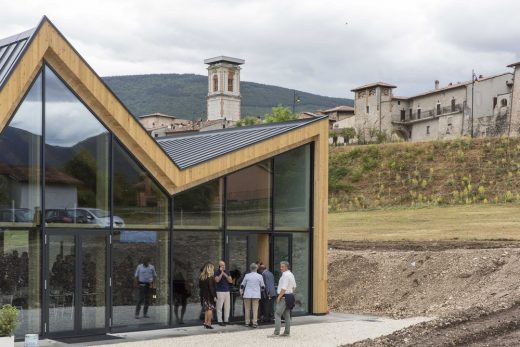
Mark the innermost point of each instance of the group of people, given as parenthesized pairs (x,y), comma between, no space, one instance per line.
(258,291)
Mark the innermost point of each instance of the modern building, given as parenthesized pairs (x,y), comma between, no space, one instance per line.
(223,100)
(479,107)
(86,194)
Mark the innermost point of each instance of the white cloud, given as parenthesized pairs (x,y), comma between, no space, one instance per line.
(304,45)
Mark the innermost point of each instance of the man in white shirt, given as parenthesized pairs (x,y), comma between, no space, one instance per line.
(144,276)
(284,300)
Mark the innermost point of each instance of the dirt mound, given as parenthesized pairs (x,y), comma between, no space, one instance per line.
(420,245)
(470,329)
(433,283)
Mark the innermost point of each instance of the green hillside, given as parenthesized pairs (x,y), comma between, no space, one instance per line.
(464,171)
(184,95)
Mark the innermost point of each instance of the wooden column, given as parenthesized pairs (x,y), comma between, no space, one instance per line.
(320,237)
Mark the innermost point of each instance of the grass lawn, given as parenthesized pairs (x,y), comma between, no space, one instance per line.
(467,222)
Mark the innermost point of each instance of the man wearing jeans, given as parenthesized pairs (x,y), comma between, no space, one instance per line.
(223,279)
(284,300)
(144,277)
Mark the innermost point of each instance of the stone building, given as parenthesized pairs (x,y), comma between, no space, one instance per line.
(372,107)
(223,100)
(478,108)
(160,124)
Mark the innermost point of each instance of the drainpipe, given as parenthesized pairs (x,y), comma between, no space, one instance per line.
(380,110)
(512,102)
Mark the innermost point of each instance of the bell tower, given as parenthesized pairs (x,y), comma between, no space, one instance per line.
(223,100)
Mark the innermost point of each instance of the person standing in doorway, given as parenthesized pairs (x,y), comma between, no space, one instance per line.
(268,295)
(284,301)
(208,294)
(251,289)
(144,277)
(224,280)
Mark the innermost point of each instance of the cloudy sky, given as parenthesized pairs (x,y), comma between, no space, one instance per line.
(324,47)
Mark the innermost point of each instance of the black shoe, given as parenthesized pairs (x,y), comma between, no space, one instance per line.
(208,326)
(222,324)
(136,317)
(226,323)
(146,316)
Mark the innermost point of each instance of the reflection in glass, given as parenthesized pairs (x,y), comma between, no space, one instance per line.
(191,250)
(249,197)
(281,244)
(20,273)
(62,276)
(292,174)
(131,248)
(20,144)
(76,160)
(300,267)
(93,281)
(138,200)
(200,207)
(244,249)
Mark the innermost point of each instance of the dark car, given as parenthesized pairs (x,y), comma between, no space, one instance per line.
(64,216)
(16,215)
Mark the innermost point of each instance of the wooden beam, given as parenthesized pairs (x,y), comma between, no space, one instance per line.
(320,230)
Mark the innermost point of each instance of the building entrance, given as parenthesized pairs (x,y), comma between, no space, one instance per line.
(244,248)
(76,284)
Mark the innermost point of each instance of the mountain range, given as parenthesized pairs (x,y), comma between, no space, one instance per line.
(184,96)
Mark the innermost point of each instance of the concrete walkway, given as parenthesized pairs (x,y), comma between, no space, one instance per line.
(332,330)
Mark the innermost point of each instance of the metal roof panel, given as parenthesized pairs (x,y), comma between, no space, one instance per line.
(192,149)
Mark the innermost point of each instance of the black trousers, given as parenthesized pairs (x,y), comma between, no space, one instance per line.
(267,309)
(144,298)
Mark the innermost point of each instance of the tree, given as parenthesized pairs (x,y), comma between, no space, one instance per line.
(279,114)
(347,134)
(247,121)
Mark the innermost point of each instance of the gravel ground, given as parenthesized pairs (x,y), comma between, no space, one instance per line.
(315,334)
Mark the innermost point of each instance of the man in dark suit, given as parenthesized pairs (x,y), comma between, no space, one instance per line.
(268,296)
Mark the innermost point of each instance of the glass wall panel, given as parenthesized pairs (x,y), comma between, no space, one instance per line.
(20,144)
(129,249)
(300,267)
(138,200)
(191,250)
(292,174)
(76,160)
(249,197)
(200,207)
(20,252)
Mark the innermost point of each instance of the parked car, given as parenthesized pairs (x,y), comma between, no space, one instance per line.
(20,215)
(99,217)
(84,215)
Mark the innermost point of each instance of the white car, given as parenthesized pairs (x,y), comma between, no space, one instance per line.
(96,216)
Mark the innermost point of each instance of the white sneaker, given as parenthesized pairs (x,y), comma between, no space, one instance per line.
(273,335)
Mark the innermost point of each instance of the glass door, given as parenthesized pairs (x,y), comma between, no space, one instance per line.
(281,251)
(76,289)
(243,249)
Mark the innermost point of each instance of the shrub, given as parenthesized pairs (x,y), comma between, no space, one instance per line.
(8,320)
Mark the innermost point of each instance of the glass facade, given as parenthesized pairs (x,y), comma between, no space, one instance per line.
(20,203)
(130,249)
(79,213)
(292,189)
(76,161)
(191,250)
(138,200)
(200,207)
(249,197)
(20,160)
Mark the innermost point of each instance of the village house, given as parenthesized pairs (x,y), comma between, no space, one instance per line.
(480,107)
